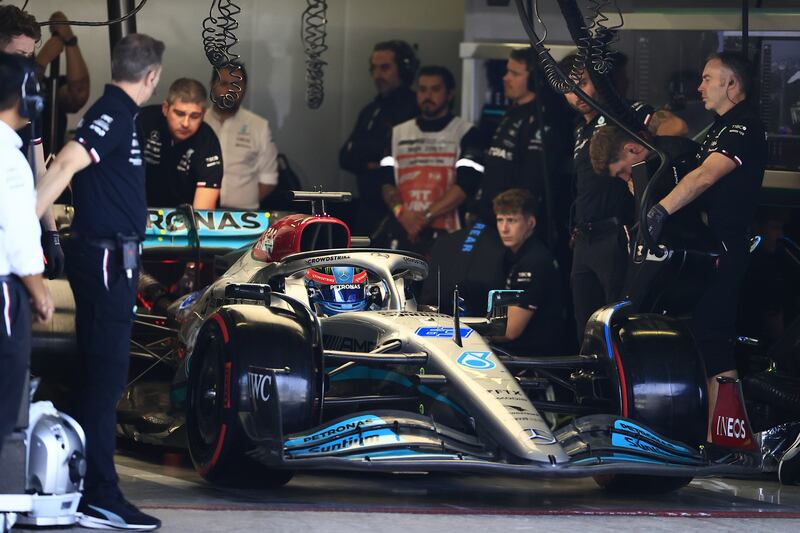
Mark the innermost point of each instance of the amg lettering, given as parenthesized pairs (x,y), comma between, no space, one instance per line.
(348,426)
(350,344)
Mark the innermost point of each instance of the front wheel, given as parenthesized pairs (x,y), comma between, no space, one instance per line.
(217,443)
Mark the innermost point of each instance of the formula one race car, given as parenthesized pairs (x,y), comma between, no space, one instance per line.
(305,352)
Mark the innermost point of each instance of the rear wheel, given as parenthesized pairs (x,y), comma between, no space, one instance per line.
(217,444)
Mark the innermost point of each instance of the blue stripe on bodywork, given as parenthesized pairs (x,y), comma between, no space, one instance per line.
(363,421)
(364,439)
(625,425)
(362,372)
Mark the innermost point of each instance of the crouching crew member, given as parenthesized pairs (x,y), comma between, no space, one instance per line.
(21,284)
(732,160)
(103,263)
(535,323)
(182,153)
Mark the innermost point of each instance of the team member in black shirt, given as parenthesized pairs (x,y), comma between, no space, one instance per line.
(514,158)
(105,165)
(603,211)
(516,155)
(393,66)
(535,323)
(732,160)
(182,153)
(19,33)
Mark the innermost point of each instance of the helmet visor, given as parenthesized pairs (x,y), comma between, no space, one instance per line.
(348,293)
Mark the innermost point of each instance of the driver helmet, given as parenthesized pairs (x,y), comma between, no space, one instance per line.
(337,289)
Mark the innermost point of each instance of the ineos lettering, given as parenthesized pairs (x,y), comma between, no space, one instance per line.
(734,428)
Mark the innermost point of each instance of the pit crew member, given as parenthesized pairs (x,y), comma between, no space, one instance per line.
(603,210)
(732,160)
(535,322)
(19,33)
(432,165)
(393,66)
(250,158)
(105,165)
(21,285)
(182,153)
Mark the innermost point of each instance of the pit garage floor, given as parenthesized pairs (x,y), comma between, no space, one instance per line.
(167,486)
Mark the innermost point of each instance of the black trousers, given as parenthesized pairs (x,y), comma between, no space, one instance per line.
(714,319)
(15,351)
(104,307)
(599,264)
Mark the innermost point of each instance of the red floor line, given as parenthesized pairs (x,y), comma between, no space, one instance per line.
(670,513)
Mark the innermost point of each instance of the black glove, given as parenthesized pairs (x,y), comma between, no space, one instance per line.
(655,221)
(53,254)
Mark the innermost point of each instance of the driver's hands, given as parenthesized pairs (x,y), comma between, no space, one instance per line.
(413,222)
(655,221)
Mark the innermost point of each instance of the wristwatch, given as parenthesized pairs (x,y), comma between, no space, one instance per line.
(72,41)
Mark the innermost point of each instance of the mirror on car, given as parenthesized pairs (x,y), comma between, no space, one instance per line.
(499,300)
(248,291)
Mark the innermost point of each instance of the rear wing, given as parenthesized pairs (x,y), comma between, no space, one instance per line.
(216,229)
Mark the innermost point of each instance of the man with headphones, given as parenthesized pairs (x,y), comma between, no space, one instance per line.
(393,66)
(514,159)
(732,160)
(21,285)
(19,33)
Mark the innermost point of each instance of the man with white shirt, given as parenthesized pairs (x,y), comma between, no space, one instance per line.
(249,157)
(21,285)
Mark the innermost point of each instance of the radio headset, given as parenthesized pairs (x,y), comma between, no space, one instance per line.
(405,58)
(31,102)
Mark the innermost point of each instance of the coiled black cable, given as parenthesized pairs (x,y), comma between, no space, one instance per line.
(93,23)
(313,34)
(218,38)
(604,36)
(618,112)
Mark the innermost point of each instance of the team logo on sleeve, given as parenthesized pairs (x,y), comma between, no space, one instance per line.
(101,125)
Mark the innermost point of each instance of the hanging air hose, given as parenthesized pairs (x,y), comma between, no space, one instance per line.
(218,38)
(313,34)
(614,108)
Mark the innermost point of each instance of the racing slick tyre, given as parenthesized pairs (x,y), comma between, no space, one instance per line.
(659,377)
(216,417)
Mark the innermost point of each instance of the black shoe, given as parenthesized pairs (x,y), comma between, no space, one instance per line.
(789,467)
(114,512)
